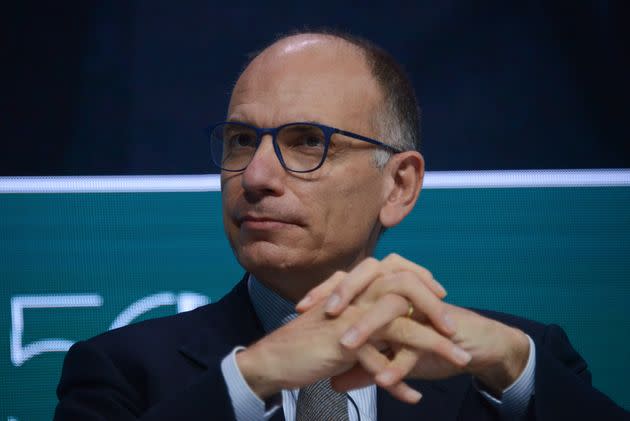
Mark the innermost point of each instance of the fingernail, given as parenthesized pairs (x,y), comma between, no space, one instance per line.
(413,395)
(304,301)
(448,321)
(461,356)
(443,292)
(332,303)
(385,378)
(350,337)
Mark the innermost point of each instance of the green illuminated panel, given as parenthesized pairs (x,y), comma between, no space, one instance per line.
(555,255)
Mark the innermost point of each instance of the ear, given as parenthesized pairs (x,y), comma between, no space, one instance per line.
(404,173)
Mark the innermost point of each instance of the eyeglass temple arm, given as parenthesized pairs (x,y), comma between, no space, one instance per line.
(368,140)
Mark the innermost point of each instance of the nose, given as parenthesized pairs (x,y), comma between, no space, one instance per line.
(264,175)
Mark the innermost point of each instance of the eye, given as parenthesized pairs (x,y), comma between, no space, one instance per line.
(303,139)
(313,141)
(241,140)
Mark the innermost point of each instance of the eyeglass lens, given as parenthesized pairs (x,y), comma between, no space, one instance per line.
(302,146)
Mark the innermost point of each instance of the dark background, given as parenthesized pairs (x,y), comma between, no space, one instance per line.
(123,87)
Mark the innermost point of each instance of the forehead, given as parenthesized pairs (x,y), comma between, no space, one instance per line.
(306,79)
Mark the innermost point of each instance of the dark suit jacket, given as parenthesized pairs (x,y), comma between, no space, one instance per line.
(169,369)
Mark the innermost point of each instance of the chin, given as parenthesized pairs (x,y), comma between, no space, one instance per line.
(266,257)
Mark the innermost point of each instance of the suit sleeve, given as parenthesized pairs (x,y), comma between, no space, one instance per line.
(93,387)
(563,387)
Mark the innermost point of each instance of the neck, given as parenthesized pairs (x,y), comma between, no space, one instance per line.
(292,286)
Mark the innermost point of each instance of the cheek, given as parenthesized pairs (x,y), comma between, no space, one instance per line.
(228,203)
(353,210)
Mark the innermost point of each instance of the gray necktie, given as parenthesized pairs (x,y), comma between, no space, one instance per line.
(319,402)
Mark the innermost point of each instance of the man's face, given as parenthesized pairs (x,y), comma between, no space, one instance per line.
(285,225)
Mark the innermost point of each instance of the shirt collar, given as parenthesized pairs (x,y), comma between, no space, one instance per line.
(272,310)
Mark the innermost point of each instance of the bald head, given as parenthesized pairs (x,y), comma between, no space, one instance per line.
(395,115)
(312,43)
(309,77)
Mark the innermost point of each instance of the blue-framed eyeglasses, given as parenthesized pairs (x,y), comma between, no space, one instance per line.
(300,147)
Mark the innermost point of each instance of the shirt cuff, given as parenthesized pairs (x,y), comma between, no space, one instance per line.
(515,398)
(246,404)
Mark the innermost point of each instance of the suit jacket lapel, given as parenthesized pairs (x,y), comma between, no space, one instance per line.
(235,323)
(231,321)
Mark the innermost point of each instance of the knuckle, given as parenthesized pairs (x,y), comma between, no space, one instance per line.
(444,347)
(398,282)
(407,278)
(337,279)
(408,361)
(406,332)
(435,313)
(370,261)
(398,370)
(426,273)
(395,301)
(412,360)
(372,264)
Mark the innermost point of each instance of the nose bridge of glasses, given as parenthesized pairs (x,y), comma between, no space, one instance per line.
(265,133)
(269,133)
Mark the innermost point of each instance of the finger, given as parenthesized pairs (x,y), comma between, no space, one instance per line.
(402,290)
(425,339)
(397,369)
(320,292)
(354,283)
(370,269)
(395,260)
(374,362)
(386,309)
(420,297)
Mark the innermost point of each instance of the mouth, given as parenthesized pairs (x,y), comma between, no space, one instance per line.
(264,223)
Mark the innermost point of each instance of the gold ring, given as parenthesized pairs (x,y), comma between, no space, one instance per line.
(410,310)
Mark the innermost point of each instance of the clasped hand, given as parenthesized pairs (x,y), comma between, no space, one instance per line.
(354,329)
(439,340)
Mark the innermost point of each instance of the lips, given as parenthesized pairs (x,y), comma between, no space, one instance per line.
(260,219)
(265,221)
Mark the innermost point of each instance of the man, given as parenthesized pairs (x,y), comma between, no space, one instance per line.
(319,157)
